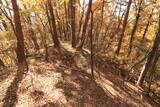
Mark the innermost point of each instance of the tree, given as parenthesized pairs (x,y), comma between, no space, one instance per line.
(19,34)
(53,25)
(135,27)
(148,64)
(91,44)
(124,27)
(84,28)
(73,13)
(145,31)
(147,25)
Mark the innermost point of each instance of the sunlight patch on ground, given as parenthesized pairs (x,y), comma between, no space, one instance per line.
(24,100)
(69,47)
(107,86)
(44,84)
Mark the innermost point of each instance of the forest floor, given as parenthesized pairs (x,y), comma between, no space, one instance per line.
(66,81)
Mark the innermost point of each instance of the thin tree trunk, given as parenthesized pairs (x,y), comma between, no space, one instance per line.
(59,28)
(134,28)
(44,38)
(147,26)
(73,23)
(115,33)
(53,28)
(91,40)
(34,39)
(66,21)
(145,32)
(80,21)
(84,29)
(124,27)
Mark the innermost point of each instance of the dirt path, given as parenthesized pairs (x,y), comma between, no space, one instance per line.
(66,82)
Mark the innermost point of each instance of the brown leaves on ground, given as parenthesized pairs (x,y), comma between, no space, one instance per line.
(66,81)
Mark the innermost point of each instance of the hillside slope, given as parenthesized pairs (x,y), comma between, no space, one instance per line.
(66,81)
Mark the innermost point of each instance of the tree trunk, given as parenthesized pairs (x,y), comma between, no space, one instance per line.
(53,24)
(147,26)
(114,33)
(84,29)
(145,32)
(91,40)
(34,39)
(124,27)
(44,38)
(2,63)
(19,34)
(148,64)
(80,21)
(73,13)
(153,67)
(66,21)
(153,70)
(134,29)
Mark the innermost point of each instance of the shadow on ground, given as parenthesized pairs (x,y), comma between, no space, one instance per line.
(80,89)
(11,96)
